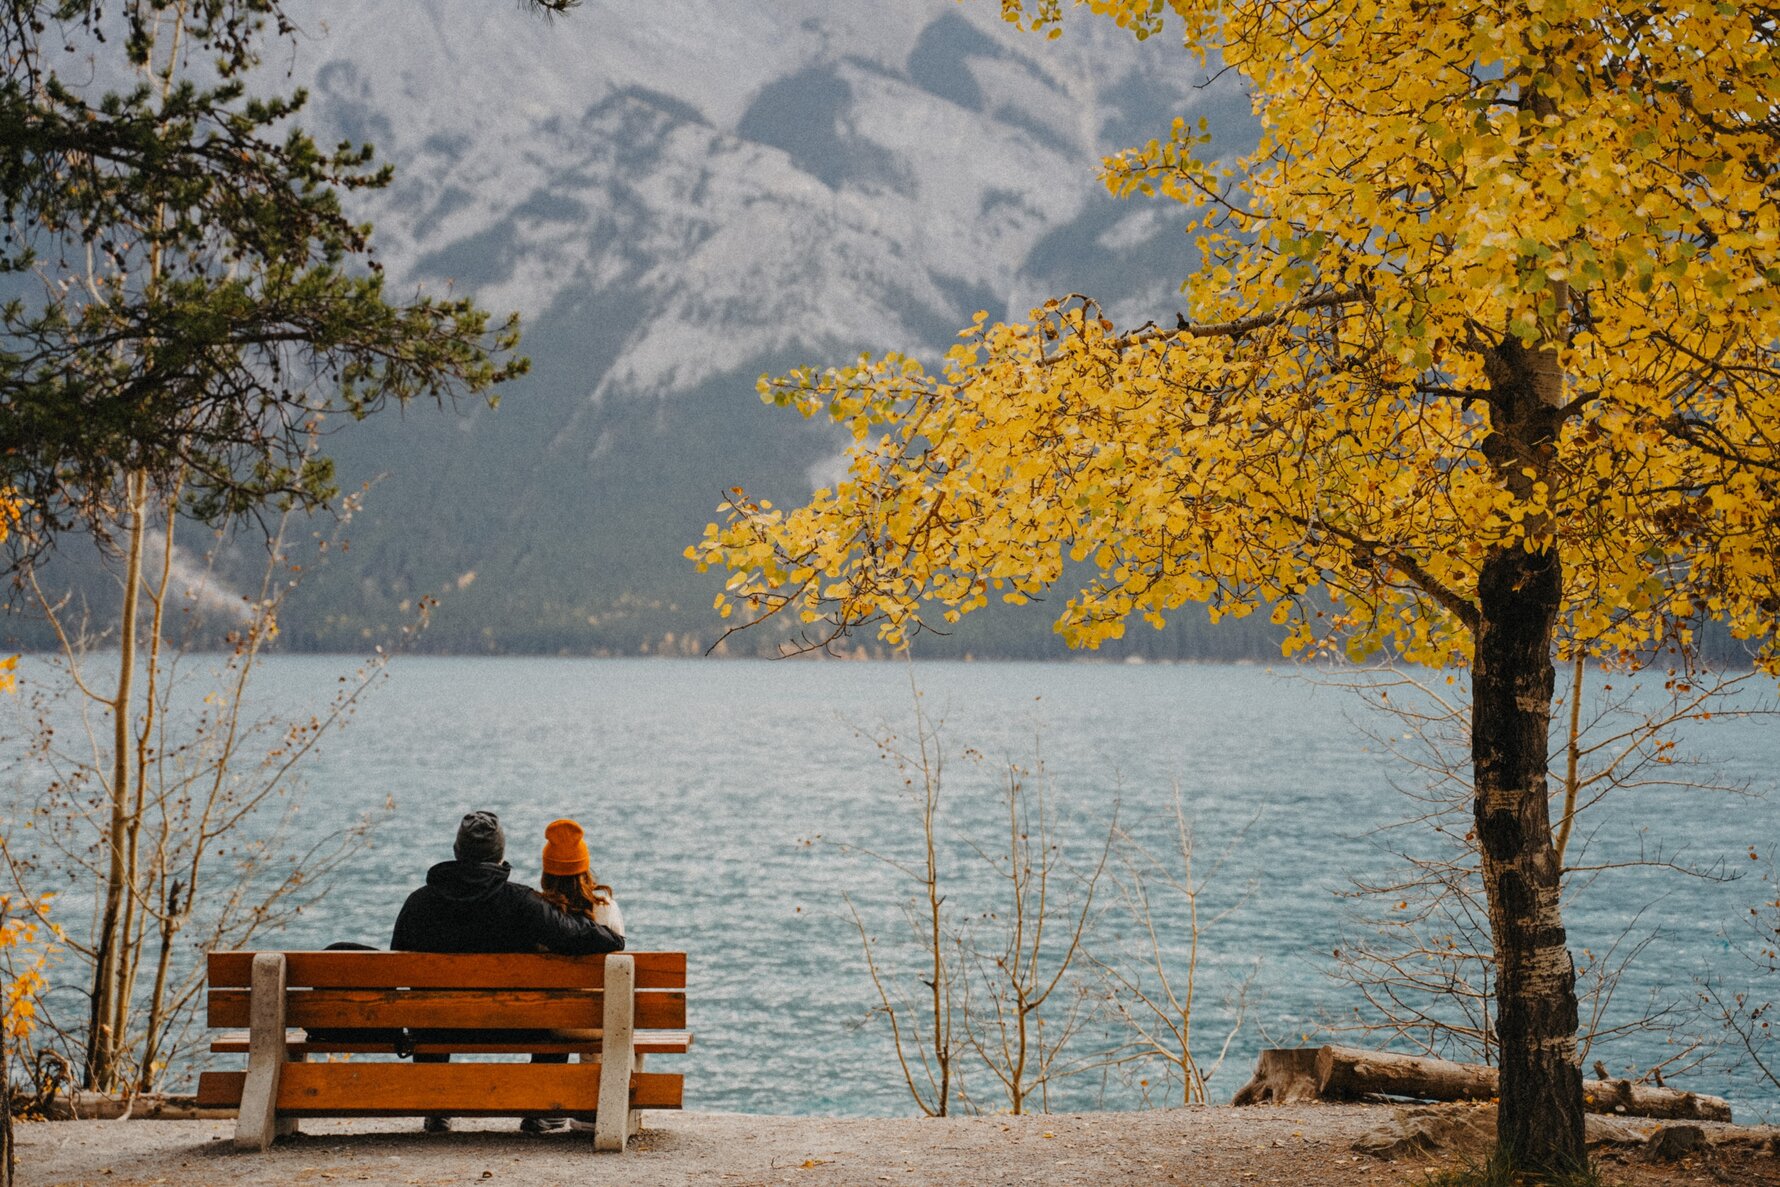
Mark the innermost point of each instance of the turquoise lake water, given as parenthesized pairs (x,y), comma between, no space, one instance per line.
(721,797)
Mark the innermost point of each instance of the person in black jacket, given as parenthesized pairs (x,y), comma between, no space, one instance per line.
(469,905)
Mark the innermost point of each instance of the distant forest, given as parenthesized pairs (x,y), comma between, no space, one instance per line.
(670,617)
(674,621)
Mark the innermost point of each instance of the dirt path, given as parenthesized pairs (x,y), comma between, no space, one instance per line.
(1212,1147)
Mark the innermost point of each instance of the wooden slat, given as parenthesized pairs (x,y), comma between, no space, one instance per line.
(463,1090)
(220,1090)
(648,1042)
(416,1008)
(551,1009)
(449,970)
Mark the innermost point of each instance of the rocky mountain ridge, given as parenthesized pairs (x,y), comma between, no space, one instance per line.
(678,197)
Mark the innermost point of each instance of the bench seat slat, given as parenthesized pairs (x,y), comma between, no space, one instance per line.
(648,1042)
(427,970)
(549,1009)
(464,1090)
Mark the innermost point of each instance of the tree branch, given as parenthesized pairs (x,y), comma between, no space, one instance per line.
(1454,602)
(1223,329)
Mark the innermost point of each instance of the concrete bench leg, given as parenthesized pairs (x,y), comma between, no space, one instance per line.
(617,1054)
(285,1126)
(257,1123)
(636,1115)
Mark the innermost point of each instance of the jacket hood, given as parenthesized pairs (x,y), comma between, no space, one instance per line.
(468,881)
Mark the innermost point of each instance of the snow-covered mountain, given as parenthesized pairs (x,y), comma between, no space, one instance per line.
(677,195)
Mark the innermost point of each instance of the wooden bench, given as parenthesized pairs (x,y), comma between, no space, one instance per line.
(620,1007)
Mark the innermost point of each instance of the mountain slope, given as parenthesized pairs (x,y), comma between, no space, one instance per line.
(678,197)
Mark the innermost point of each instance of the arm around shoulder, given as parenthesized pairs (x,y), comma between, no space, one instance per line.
(572,935)
(608,914)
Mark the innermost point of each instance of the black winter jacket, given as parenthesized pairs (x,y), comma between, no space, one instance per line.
(469,906)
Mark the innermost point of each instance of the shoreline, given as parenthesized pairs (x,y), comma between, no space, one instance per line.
(1205,1146)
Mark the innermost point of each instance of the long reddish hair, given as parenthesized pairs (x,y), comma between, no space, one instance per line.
(576,894)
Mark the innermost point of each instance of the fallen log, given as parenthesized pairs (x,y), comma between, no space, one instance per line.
(1346,1072)
(1646,1100)
(154,1106)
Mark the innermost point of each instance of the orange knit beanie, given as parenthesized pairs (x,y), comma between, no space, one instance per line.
(564,850)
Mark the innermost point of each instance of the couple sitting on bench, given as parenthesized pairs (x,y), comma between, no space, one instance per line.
(468,905)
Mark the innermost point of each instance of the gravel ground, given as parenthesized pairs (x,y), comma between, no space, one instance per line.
(1304,1146)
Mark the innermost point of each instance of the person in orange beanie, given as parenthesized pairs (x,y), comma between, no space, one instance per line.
(568,885)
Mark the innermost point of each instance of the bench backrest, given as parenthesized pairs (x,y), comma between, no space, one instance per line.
(438,991)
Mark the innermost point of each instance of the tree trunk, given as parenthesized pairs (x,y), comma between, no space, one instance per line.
(152,887)
(157,998)
(6,1157)
(103,1040)
(133,933)
(1541,1115)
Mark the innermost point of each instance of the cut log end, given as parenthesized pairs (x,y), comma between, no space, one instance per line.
(1283,1076)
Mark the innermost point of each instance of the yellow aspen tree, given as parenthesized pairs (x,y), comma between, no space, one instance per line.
(1482,347)
(8,515)
(20,982)
(23,956)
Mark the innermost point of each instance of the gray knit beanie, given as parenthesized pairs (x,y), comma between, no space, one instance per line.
(479,838)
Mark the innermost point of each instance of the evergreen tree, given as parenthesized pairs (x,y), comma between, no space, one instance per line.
(188,296)
(189,302)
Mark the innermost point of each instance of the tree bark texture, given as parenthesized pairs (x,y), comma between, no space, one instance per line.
(1519,595)
(6,1155)
(1541,1126)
